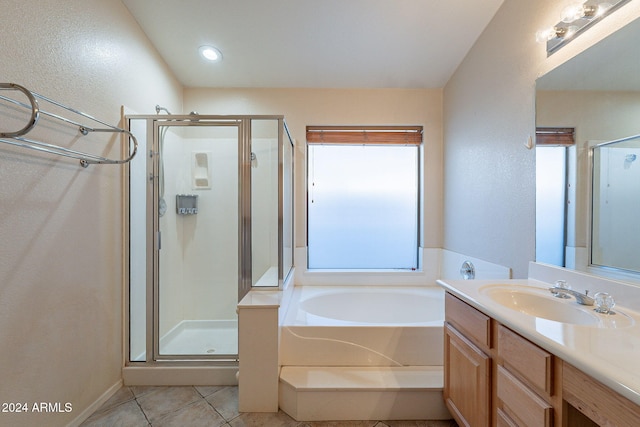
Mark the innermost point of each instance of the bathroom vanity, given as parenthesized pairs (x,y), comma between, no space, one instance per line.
(519,365)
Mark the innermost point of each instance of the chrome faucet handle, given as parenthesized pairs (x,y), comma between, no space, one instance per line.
(604,303)
(560,286)
(583,299)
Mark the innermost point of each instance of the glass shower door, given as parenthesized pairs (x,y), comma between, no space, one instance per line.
(196,239)
(264,203)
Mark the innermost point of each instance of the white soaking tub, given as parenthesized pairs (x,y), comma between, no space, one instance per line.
(363,326)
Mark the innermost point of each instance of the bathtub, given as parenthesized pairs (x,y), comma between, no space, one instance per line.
(363,326)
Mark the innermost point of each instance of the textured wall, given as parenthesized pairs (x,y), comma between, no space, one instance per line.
(303,107)
(489,113)
(61,241)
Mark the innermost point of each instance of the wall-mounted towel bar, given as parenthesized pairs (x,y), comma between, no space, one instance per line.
(85,123)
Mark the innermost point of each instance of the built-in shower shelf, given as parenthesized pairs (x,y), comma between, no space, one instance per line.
(362,393)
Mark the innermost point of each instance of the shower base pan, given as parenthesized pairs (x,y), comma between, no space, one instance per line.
(201,337)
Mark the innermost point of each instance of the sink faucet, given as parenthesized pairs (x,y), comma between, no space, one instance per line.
(583,299)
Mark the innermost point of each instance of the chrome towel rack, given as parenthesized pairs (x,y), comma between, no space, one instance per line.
(85,124)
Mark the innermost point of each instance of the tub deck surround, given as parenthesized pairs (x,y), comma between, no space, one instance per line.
(363,352)
(608,354)
(258,351)
(362,393)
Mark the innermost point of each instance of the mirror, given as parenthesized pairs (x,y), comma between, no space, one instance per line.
(615,236)
(597,94)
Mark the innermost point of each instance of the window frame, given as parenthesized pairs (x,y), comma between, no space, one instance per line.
(370,135)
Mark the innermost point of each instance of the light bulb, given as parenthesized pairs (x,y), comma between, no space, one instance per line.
(545,35)
(210,53)
(571,30)
(572,13)
(603,8)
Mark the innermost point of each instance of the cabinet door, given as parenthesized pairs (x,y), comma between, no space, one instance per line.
(467,372)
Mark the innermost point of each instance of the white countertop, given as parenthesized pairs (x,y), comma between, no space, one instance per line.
(261,299)
(608,351)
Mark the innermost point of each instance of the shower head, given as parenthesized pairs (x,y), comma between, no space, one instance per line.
(628,159)
(159,108)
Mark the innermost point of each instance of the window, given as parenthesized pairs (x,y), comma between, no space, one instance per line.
(363,197)
(552,145)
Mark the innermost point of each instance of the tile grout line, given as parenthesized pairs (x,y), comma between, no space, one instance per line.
(181,408)
(142,410)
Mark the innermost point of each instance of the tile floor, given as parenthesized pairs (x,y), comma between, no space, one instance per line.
(206,407)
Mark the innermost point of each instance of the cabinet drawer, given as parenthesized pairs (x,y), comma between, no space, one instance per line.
(475,325)
(504,420)
(526,359)
(520,403)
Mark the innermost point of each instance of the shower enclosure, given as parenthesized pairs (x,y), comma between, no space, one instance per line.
(615,203)
(210,217)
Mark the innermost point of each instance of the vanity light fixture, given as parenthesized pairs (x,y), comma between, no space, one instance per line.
(555,33)
(579,11)
(210,53)
(575,19)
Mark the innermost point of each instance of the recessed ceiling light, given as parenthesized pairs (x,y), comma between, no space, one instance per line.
(210,53)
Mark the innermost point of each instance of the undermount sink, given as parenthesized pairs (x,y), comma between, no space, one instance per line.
(533,302)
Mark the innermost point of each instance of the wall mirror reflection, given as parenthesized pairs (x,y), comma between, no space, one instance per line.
(597,94)
(615,204)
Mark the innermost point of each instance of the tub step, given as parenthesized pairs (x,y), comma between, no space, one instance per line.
(362,393)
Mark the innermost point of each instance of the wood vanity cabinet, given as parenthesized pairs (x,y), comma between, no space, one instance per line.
(495,377)
(525,388)
(467,374)
(590,403)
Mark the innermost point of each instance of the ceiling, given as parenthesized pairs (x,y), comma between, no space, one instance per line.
(315,43)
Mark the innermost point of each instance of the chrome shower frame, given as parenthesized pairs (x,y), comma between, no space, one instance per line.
(153,126)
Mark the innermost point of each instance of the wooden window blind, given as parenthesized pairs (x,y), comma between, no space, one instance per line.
(375,135)
(555,136)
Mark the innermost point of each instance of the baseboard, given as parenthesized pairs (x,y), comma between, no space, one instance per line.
(96,404)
